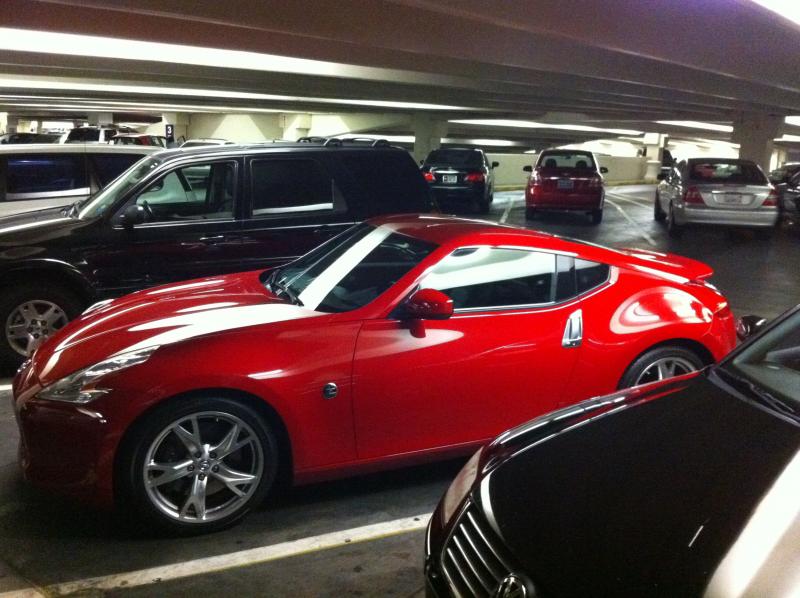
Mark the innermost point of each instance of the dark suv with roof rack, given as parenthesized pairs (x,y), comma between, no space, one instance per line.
(182,214)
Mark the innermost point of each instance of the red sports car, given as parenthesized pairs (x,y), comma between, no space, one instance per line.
(403,339)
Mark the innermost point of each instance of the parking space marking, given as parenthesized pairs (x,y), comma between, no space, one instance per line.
(507,211)
(242,558)
(26,593)
(5,387)
(620,197)
(642,232)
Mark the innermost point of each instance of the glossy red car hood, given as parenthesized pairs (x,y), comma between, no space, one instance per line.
(161,316)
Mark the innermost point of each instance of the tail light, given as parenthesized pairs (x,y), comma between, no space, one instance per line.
(693,196)
(474,177)
(595,181)
(772,198)
(429,177)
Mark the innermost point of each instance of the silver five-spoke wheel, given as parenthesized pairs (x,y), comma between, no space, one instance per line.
(666,367)
(30,323)
(203,467)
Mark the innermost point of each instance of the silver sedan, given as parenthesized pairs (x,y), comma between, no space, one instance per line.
(716,191)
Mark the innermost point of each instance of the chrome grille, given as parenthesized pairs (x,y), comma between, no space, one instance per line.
(471,564)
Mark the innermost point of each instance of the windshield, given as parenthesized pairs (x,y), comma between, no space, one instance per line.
(772,362)
(453,157)
(350,270)
(99,203)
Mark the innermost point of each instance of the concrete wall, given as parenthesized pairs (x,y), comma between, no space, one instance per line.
(239,128)
(620,169)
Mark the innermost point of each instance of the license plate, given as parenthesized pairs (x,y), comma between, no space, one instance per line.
(449,178)
(737,200)
(565,184)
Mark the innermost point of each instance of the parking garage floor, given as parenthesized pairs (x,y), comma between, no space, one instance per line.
(356,537)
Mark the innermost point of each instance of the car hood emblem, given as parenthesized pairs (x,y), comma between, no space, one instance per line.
(513,586)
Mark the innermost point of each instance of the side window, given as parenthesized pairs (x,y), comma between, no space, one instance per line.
(489,277)
(107,168)
(589,275)
(287,186)
(57,174)
(196,192)
(389,180)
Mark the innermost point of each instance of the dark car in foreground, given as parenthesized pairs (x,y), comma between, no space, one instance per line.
(684,487)
(565,180)
(790,199)
(182,214)
(461,178)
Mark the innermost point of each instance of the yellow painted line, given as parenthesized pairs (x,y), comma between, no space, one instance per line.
(242,558)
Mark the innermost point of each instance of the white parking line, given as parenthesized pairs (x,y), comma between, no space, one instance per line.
(241,558)
(26,593)
(507,211)
(629,199)
(642,232)
(5,387)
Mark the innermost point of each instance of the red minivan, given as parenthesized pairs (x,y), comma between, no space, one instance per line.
(565,180)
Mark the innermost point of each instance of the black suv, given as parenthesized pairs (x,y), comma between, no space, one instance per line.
(182,214)
(461,177)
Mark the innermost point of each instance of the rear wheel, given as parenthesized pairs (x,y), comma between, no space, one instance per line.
(596,216)
(530,213)
(30,314)
(661,363)
(658,214)
(199,464)
(674,229)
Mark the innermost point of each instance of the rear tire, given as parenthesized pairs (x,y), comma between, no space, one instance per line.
(174,507)
(661,363)
(659,215)
(30,310)
(674,229)
(530,213)
(596,216)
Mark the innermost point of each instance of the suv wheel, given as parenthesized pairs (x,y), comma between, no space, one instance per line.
(198,464)
(31,313)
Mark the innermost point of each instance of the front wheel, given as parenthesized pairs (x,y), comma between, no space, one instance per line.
(661,363)
(199,464)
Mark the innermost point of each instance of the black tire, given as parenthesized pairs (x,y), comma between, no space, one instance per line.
(764,233)
(674,229)
(483,206)
(659,215)
(680,355)
(530,213)
(596,216)
(133,495)
(69,304)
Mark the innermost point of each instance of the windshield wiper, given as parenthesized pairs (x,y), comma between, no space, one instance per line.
(275,286)
(72,210)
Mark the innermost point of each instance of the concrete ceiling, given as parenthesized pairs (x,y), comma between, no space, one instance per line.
(619,63)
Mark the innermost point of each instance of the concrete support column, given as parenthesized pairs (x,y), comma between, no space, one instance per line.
(755,132)
(179,122)
(98,119)
(428,133)
(654,151)
(294,126)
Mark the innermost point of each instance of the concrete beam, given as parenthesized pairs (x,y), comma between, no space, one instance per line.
(331,125)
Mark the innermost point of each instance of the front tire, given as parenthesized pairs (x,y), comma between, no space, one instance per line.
(661,363)
(31,313)
(198,464)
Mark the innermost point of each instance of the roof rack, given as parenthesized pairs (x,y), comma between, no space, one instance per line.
(338,142)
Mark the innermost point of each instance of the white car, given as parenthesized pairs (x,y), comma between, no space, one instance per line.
(36,176)
(205,141)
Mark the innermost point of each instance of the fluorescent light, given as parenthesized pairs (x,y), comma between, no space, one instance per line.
(492,142)
(788,9)
(526,124)
(13,82)
(790,138)
(793,120)
(694,124)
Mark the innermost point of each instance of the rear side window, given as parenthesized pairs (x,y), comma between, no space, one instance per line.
(391,182)
(107,168)
(576,276)
(286,186)
(42,173)
(490,277)
(743,173)
(577,160)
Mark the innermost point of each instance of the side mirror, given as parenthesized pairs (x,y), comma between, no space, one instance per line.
(527,168)
(495,164)
(603,170)
(747,326)
(661,176)
(428,304)
(132,215)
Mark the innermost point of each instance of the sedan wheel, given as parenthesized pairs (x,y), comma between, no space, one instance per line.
(661,363)
(666,367)
(200,469)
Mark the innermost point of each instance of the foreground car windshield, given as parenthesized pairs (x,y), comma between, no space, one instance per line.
(350,270)
(98,204)
(772,362)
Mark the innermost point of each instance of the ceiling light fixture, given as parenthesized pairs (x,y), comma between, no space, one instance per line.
(788,9)
(694,124)
(525,124)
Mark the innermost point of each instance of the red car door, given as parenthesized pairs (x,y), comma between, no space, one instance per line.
(501,359)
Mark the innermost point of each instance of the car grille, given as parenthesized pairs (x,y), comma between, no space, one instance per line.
(470,561)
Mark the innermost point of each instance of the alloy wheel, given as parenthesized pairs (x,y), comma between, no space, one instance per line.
(665,367)
(32,322)
(203,467)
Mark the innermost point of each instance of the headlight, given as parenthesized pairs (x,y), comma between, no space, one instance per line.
(460,487)
(79,387)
